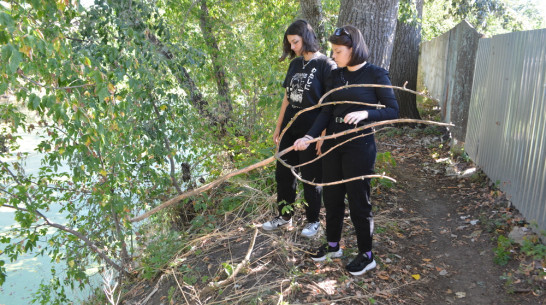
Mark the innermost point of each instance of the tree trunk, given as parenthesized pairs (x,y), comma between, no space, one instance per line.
(184,78)
(377,21)
(224,101)
(404,61)
(311,11)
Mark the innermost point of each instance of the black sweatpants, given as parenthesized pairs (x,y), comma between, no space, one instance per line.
(353,159)
(286,182)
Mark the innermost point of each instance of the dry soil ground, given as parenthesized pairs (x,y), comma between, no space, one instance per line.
(435,242)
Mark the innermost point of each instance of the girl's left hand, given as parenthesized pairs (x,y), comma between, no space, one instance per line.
(355,117)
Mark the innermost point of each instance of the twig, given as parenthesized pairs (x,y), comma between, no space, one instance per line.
(332,148)
(156,288)
(222,283)
(110,291)
(201,189)
(279,154)
(181,290)
(319,104)
(281,294)
(79,235)
(20,72)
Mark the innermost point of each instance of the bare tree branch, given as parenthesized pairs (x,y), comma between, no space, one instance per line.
(279,154)
(82,237)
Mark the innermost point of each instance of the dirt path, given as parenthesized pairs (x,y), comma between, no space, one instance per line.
(455,248)
(434,244)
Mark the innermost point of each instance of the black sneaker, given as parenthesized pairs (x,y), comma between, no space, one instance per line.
(361,264)
(325,251)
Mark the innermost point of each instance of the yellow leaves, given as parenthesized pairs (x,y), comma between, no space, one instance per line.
(103,172)
(111,88)
(163,107)
(27,51)
(114,126)
(416,276)
(88,141)
(58,259)
(82,167)
(87,62)
(61,151)
(57,45)
(39,33)
(71,264)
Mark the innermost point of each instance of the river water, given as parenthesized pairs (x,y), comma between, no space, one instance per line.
(25,275)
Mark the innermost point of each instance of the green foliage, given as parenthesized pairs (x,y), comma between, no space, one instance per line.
(490,17)
(384,163)
(107,88)
(535,249)
(157,255)
(502,251)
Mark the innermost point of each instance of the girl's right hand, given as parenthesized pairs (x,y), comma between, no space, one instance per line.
(301,143)
(276,136)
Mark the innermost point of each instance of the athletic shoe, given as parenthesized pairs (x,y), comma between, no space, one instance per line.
(325,251)
(310,229)
(361,264)
(276,223)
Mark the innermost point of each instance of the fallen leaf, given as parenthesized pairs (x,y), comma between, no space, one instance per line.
(460,294)
(426,259)
(416,276)
(383,275)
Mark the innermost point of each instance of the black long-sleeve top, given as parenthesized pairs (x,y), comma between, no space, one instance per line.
(367,74)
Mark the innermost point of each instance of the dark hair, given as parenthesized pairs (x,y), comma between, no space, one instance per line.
(305,31)
(351,37)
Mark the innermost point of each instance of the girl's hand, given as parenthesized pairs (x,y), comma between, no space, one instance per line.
(318,147)
(301,143)
(355,117)
(276,135)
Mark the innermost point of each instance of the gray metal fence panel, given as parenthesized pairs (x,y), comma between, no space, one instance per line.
(506,131)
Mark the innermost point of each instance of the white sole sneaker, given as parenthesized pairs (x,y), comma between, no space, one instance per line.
(370,266)
(276,223)
(338,253)
(309,231)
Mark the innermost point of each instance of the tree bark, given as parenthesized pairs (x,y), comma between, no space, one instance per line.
(376,19)
(224,102)
(311,11)
(404,61)
(184,78)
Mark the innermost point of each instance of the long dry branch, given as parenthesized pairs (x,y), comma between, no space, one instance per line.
(320,104)
(201,189)
(278,154)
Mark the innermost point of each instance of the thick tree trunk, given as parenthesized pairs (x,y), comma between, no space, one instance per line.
(404,62)
(224,101)
(311,10)
(376,19)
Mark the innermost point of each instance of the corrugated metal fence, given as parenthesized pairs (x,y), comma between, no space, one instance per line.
(506,130)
